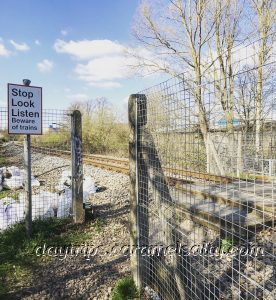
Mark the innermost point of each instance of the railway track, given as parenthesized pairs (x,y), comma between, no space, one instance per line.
(193,197)
(105,162)
(121,165)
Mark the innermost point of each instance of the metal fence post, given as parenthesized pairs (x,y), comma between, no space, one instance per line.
(137,113)
(28,177)
(77,167)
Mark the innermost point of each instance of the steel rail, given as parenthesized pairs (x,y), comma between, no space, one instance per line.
(122,165)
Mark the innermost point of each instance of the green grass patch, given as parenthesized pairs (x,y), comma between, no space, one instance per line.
(125,289)
(99,224)
(17,252)
(3,161)
(9,193)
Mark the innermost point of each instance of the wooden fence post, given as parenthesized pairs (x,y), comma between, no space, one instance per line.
(137,112)
(77,167)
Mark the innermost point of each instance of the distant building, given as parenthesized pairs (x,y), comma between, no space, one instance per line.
(53,127)
(223,122)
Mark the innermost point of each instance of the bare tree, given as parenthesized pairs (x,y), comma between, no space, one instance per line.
(228,16)
(245,95)
(180,39)
(266,15)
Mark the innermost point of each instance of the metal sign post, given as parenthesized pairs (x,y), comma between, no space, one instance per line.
(25,117)
(28,177)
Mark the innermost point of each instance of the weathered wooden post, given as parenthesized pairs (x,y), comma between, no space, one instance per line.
(137,111)
(28,177)
(77,167)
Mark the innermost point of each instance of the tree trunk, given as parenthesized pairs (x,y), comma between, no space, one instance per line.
(259,105)
(214,164)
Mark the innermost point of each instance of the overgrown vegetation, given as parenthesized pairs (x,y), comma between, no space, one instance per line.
(5,137)
(125,289)
(101,130)
(17,251)
(54,139)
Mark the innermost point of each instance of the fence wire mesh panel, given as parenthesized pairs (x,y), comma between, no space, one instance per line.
(50,168)
(206,175)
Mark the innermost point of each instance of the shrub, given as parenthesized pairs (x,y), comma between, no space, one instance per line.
(125,289)
(226,245)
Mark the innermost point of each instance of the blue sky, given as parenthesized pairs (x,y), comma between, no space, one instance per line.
(73,49)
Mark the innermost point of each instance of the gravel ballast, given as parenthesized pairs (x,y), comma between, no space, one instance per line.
(94,277)
(81,277)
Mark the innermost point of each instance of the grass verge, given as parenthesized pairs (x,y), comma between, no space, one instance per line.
(17,251)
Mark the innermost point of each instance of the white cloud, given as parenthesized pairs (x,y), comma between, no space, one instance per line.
(105,62)
(64,32)
(78,97)
(37,42)
(45,65)
(103,71)
(125,100)
(86,49)
(4,51)
(108,84)
(20,47)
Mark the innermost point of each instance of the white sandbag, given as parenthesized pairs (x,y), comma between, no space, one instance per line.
(42,204)
(35,182)
(13,183)
(89,187)
(11,211)
(15,171)
(17,179)
(65,203)
(3,224)
(1,179)
(14,212)
(5,172)
(65,180)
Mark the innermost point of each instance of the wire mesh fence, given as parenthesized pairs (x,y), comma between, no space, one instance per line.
(203,174)
(51,175)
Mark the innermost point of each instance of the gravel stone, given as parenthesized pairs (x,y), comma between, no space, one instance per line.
(76,277)
(94,278)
